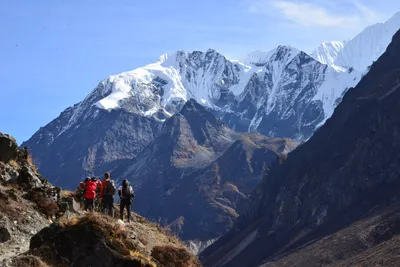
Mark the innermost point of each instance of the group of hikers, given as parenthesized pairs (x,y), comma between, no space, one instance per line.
(101,193)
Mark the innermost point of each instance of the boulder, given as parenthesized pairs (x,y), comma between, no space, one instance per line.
(5,231)
(28,178)
(75,206)
(8,148)
(8,174)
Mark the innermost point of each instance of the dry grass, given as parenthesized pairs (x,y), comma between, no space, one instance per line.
(141,242)
(13,163)
(67,193)
(28,261)
(67,222)
(11,205)
(47,254)
(29,160)
(170,256)
(143,258)
(45,206)
(115,233)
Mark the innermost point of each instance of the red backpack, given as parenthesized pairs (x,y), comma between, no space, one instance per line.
(90,190)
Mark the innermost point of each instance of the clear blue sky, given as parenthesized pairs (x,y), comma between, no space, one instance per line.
(54,52)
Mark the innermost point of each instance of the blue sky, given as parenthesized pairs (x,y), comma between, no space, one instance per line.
(53,53)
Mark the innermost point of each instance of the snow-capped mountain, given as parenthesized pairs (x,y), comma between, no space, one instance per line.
(280,93)
(290,95)
(359,52)
(284,86)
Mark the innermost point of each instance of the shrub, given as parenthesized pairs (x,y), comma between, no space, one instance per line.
(44,204)
(49,208)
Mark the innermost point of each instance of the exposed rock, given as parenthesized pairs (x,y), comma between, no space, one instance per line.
(5,231)
(8,148)
(8,174)
(28,178)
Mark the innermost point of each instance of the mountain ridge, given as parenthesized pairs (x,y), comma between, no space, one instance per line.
(346,170)
(186,168)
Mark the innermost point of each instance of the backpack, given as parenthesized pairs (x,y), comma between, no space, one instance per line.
(90,189)
(110,188)
(127,192)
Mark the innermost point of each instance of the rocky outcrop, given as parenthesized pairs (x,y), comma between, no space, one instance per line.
(94,240)
(347,168)
(28,178)
(22,212)
(8,148)
(5,231)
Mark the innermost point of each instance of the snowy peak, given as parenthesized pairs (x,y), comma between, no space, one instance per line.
(361,51)
(327,52)
(284,54)
(369,45)
(260,58)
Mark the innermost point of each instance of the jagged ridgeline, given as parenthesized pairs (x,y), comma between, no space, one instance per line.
(30,238)
(335,200)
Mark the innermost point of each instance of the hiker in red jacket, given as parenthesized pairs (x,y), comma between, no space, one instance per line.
(90,188)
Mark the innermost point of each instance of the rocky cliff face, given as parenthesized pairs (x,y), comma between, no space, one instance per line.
(347,168)
(21,214)
(189,167)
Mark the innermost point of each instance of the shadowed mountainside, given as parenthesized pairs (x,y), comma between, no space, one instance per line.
(350,166)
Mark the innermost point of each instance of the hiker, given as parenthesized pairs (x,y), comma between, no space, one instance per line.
(89,193)
(80,191)
(97,200)
(107,195)
(126,194)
